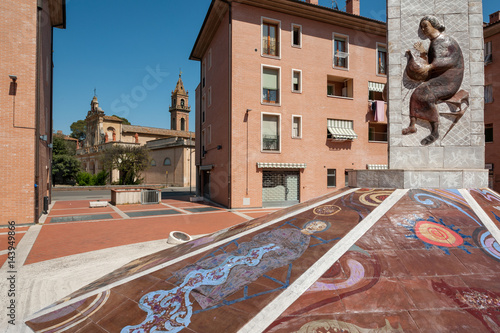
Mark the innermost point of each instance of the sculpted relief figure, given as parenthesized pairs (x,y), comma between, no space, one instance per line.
(441,71)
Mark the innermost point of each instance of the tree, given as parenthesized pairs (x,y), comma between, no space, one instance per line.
(129,161)
(64,169)
(125,120)
(78,129)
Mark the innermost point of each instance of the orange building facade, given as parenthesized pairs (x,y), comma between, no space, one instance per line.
(492,99)
(26,105)
(289,100)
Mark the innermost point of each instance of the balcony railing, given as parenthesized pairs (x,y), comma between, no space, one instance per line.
(271,142)
(180,107)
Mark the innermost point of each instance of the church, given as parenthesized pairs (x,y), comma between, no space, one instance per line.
(170,150)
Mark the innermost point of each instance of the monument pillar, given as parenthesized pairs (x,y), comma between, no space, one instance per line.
(435,97)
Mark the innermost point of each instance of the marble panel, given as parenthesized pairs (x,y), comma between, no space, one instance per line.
(421,179)
(463,157)
(451,179)
(475,179)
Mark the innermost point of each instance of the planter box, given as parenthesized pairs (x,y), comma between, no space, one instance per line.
(135,196)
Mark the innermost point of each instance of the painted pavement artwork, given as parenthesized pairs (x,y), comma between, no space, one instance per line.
(428,264)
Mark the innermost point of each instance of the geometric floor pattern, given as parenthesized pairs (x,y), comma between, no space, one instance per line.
(357,260)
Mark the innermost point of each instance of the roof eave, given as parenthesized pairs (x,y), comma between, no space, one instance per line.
(491,29)
(218,9)
(57,9)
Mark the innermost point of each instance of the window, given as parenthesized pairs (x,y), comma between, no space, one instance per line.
(203,108)
(377,132)
(331,177)
(153,163)
(209,58)
(375,91)
(166,161)
(174,124)
(296,80)
(270,132)
(296,35)
(346,176)
(340,51)
(296,127)
(182,103)
(204,73)
(488,132)
(339,86)
(488,54)
(183,124)
(270,38)
(203,143)
(209,134)
(381,59)
(270,85)
(488,93)
(209,96)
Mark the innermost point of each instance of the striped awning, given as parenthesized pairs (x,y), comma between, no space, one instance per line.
(341,129)
(376,167)
(263,165)
(375,86)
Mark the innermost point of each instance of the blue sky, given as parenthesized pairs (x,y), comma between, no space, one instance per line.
(131,52)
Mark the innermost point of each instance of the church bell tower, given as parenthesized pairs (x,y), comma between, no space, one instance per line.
(179,110)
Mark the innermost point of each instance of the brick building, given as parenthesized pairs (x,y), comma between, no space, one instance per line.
(170,149)
(492,98)
(289,100)
(26,105)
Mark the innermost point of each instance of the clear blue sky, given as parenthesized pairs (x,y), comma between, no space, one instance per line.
(115,45)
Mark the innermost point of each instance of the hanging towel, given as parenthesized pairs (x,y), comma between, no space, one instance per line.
(379,111)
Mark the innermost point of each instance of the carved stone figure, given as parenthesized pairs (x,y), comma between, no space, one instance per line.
(114,135)
(441,71)
(136,137)
(106,138)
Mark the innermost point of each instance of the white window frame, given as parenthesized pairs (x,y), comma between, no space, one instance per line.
(334,177)
(488,52)
(203,145)
(348,47)
(300,81)
(488,94)
(269,20)
(300,126)
(203,109)
(204,73)
(262,114)
(262,66)
(386,59)
(294,25)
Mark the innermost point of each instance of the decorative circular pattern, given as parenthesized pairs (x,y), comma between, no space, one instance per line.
(485,241)
(326,210)
(374,198)
(437,234)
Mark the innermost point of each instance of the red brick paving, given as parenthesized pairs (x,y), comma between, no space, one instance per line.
(64,239)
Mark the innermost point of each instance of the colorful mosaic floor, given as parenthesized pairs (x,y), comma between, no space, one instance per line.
(364,260)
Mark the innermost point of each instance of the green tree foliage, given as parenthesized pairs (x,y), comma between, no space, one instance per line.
(86,179)
(78,129)
(130,161)
(125,120)
(65,166)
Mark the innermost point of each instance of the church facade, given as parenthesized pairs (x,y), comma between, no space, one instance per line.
(170,150)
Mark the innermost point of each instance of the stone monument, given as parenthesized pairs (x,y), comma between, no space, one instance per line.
(435,97)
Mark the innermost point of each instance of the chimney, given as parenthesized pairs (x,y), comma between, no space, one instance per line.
(352,7)
(495,17)
(313,2)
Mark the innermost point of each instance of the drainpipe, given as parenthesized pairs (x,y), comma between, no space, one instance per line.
(37,107)
(230,53)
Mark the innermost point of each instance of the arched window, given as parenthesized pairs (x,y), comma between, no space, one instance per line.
(182,102)
(167,161)
(174,125)
(183,124)
(153,163)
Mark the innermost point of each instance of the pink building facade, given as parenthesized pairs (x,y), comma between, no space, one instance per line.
(289,100)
